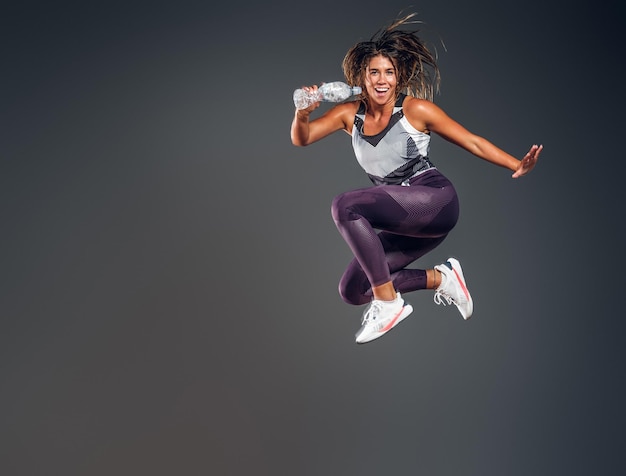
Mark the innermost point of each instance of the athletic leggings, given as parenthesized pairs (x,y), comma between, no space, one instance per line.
(412,221)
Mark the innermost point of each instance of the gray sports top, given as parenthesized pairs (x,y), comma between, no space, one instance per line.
(395,154)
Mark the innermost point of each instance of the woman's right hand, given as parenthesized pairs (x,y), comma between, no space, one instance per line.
(305,131)
(315,105)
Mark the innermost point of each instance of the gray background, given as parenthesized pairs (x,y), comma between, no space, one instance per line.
(169,263)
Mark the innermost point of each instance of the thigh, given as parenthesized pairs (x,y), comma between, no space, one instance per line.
(416,211)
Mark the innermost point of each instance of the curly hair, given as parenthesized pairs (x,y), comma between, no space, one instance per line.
(416,67)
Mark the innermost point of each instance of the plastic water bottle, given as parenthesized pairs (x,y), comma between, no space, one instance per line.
(335,91)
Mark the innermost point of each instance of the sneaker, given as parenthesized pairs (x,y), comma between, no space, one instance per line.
(382,316)
(453,289)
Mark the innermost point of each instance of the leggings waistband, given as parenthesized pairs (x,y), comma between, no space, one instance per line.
(403,174)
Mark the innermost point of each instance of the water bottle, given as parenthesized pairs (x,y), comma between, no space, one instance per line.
(335,91)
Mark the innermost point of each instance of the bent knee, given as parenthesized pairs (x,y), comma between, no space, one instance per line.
(345,206)
(352,298)
(350,293)
(338,207)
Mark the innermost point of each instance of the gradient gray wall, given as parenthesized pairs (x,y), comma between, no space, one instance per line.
(169,263)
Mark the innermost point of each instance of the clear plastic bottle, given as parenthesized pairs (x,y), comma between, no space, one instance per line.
(335,91)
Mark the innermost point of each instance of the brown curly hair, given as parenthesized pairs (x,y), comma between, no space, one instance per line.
(416,67)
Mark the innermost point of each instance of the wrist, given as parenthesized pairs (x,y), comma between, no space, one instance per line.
(514,164)
(302,115)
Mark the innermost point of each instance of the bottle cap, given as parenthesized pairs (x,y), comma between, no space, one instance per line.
(356,90)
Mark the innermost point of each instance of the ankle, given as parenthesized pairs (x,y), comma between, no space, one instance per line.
(433,278)
(385,292)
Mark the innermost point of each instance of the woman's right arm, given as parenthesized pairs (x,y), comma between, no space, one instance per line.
(305,131)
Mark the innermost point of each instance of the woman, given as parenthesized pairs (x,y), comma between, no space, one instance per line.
(412,207)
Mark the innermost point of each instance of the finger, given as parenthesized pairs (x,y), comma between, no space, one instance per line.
(528,162)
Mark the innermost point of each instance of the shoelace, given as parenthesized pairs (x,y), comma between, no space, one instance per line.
(442,297)
(372,311)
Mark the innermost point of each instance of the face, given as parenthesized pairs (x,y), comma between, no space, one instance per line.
(381,80)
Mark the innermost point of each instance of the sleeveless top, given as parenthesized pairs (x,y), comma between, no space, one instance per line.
(396,153)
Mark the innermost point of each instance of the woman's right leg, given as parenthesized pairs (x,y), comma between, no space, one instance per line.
(400,251)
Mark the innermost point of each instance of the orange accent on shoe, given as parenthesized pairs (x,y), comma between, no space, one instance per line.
(465,290)
(393,321)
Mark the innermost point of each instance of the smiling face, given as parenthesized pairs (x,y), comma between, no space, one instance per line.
(381,80)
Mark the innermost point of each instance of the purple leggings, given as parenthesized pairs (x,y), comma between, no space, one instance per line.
(413,221)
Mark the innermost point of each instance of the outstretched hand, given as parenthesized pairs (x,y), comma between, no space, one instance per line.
(529,161)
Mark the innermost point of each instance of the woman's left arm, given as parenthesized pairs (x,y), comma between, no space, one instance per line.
(432,118)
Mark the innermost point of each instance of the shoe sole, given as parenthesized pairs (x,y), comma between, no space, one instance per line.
(407,309)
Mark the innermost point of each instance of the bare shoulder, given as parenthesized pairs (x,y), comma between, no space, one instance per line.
(420,112)
(347,109)
(343,112)
(425,115)
(419,107)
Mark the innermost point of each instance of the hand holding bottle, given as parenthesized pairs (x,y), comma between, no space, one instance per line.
(335,91)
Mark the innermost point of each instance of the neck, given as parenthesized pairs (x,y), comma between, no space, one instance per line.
(378,110)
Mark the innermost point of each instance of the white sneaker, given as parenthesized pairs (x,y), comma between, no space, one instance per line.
(382,316)
(453,288)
